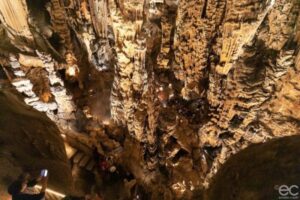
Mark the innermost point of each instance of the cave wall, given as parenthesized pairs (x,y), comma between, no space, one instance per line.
(243,177)
(30,142)
(183,84)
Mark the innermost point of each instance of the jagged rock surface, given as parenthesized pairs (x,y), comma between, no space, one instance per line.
(175,87)
(29,141)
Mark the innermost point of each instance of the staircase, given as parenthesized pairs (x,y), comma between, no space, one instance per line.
(79,158)
(24,86)
(62,109)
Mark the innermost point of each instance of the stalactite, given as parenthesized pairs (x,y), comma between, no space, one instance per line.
(99,11)
(14,15)
(175,86)
(241,38)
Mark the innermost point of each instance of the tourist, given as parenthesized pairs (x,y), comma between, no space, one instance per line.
(19,188)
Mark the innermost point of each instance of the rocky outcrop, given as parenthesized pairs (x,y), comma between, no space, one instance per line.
(45,93)
(179,85)
(237,179)
(248,88)
(30,142)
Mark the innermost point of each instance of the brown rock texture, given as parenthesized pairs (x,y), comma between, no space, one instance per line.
(30,142)
(169,89)
(241,177)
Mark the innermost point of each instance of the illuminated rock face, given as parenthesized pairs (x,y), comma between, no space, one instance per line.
(171,89)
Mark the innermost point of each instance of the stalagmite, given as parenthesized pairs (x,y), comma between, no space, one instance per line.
(241,38)
(158,94)
(100,16)
(14,14)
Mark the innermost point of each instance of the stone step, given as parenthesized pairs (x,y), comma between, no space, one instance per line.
(78,156)
(21,81)
(84,161)
(31,100)
(55,80)
(90,166)
(19,73)
(15,65)
(43,107)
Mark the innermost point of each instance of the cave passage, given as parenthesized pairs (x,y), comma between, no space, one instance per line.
(150,100)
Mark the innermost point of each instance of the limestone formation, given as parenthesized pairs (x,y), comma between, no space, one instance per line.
(169,89)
